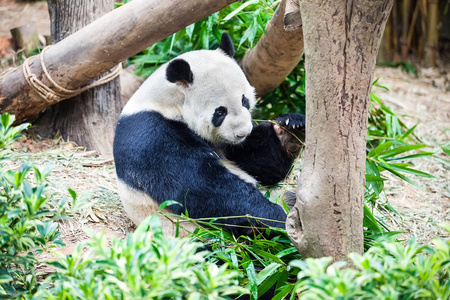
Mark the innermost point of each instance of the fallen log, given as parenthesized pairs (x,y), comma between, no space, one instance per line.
(98,47)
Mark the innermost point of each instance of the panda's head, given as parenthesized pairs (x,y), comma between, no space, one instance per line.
(218,99)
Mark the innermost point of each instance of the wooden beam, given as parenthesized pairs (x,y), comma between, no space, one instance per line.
(96,48)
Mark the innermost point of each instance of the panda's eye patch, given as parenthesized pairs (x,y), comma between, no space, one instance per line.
(219,115)
(245,102)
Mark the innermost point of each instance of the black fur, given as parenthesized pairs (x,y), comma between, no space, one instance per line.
(262,155)
(245,102)
(168,161)
(219,116)
(226,44)
(297,120)
(179,71)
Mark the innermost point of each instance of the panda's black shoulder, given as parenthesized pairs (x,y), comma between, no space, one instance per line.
(149,126)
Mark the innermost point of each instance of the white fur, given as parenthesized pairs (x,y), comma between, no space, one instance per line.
(218,81)
(231,166)
(138,205)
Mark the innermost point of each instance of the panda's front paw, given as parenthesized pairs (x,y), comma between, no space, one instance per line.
(291,121)
(290,129)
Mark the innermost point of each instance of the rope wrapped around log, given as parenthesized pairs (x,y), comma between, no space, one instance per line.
(52,96)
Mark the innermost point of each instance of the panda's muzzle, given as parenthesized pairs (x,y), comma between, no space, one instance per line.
(243,136)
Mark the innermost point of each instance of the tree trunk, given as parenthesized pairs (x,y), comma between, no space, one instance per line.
(405,26)
(342,38)
(432,37)
(100,46)
(89,118)
(275,55)
(386,49)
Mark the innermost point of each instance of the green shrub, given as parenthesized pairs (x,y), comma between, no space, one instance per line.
(27,224)
(387,270)
(145,265)
(264,261)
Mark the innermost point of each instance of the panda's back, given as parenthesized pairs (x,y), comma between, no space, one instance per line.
(163,159)
(151,152)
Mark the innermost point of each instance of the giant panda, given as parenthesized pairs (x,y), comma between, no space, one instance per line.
(187,135)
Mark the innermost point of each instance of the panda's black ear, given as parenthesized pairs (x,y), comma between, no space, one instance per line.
(179,71)
(226,45)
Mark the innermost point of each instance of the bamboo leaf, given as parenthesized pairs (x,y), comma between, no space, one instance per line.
(409,131)
(379,149)
(374,178)
(267,284)
(168,203)
(370,222)
(446,149)
(286,252)
(268,255)
(417,155)
(251,274)
(284,292)
(239,9)
(399,167)
(401,176)
(398,150)
(266,272)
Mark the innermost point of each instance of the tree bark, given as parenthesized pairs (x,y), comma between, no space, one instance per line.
(342,38)
(101,45)
(385,53)
(275,55)
(405,26)
(89,118)
(432,37)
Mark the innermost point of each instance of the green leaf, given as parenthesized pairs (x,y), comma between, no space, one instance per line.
(379,149)
(268,256)
(378,85)
(72,193)
(266,272)
(251,274)
(446,149)
(370,222)
(168,203)
(269,282)
(400,168)
(398,150)
(155,225)
(239,9)
(286,252)
(409,131)
(284,292)
(374,178)
(417,155)
(388,168)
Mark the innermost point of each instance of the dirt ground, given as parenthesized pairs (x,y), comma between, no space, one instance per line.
(424,99)
(16,13)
